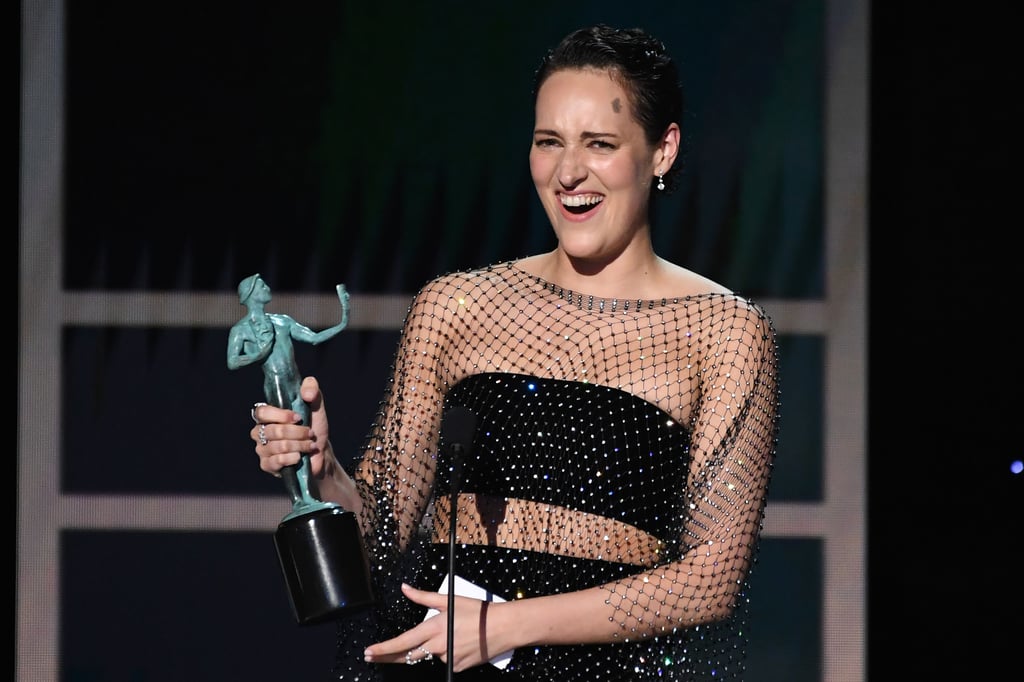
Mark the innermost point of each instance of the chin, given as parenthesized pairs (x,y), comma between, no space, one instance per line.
(582,250)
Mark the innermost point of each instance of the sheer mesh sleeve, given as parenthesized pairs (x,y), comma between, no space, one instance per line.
(731,456)
(625,445)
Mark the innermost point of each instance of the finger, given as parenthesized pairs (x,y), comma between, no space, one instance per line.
(410,657)
(272,460)
(433,600)
(394,649)
(263,413)
(310,392)
(298,435)
(252,411)
(274,463)
(279,445)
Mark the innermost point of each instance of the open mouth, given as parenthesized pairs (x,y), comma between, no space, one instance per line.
(579,204)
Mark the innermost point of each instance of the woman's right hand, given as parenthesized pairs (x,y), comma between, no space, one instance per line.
(280,438)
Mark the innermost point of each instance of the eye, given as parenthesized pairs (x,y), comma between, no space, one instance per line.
(602,144)
(545,142)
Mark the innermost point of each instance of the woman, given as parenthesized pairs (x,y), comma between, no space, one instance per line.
(626,416)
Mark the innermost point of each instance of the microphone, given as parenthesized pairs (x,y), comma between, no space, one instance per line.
(458,427)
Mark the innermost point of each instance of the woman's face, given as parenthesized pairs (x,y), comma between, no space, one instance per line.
(591,164)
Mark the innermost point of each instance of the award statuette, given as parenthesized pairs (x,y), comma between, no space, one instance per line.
(319,544)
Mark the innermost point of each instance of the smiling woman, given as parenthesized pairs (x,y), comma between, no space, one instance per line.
(593,167)
(167,155)
(626,413)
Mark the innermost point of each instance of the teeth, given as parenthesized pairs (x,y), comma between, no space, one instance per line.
(580,199)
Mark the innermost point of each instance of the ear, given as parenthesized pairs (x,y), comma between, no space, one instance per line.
(667,150)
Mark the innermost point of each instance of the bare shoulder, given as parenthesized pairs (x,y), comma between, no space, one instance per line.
(456,282)
(454,292)
(683,282)
(738,310)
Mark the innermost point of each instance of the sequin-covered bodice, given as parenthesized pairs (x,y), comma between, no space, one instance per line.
(624,449)
(575,445)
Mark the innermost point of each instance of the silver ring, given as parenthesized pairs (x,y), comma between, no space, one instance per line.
(409,660)
(263,434)
(252,412)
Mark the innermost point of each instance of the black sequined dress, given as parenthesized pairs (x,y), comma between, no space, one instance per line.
(625,445)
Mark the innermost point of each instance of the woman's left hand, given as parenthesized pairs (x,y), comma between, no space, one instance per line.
(429,639)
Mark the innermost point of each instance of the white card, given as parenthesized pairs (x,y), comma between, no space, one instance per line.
(464,588)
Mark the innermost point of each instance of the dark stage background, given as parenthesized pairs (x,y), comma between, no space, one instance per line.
(168,151)
(946,513)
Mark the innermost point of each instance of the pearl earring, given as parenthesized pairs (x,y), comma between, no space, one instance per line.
(661,182)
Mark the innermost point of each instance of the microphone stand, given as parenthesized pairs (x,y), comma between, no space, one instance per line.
(457,430)
(456,475)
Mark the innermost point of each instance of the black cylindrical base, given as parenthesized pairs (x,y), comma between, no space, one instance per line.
(324,564)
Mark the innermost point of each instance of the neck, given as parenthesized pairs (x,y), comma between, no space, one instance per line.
(630,274)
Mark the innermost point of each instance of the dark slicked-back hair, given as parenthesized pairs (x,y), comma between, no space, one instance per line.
(638,61)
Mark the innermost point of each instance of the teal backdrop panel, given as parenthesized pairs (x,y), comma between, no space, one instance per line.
(350,142)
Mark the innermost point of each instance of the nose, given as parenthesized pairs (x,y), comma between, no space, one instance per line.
(571,169)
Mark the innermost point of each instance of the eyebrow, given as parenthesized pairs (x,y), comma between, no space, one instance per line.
(585,135)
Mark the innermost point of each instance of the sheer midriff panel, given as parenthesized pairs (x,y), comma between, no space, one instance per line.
(542,527)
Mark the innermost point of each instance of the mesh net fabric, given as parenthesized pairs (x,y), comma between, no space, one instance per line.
(621,446)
